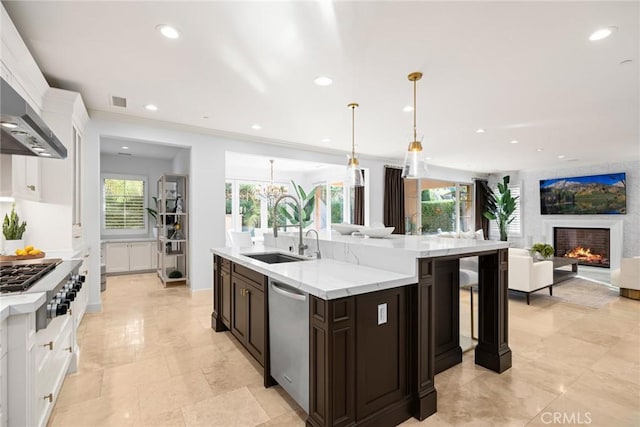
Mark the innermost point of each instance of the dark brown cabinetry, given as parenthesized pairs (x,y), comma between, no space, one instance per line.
(225,294)
(240,305)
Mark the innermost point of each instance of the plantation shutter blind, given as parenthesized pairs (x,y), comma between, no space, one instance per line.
(515,228)
(124,204)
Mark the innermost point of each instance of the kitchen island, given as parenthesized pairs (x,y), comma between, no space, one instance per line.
(383,319)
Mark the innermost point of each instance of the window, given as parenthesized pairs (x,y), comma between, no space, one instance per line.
(446,206)
(515,228)
(124,204)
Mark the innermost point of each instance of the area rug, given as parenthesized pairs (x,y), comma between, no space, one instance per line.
(584,292)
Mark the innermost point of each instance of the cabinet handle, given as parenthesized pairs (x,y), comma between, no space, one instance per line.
(49,397)
(69,349)
(31,187)
(49,344)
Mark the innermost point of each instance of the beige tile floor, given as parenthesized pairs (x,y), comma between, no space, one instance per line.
(151,359)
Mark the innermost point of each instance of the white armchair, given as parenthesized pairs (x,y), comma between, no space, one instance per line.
(528,276)
(627,277)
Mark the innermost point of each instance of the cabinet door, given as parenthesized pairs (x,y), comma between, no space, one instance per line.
(139,256)
(225,297)
(76,207)
(26,177)
(117,257)
(239,312)
(255,322)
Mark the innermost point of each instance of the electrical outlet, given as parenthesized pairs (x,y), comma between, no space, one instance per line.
(382,314)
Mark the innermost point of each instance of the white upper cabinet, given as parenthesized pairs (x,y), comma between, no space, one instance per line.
(66,115)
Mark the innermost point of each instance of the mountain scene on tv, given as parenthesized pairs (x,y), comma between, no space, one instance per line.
(596,194)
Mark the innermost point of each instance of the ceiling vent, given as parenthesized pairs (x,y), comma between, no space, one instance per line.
(118,101)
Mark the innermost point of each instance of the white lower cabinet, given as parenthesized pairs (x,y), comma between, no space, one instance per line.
(39,362)
(3,373)
(54,351)
(129,256)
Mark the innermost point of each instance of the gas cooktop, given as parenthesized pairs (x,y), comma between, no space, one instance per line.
(19,276)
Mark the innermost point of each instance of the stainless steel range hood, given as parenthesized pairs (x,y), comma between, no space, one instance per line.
(23,131)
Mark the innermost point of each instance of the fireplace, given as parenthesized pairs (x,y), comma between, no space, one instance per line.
(590,246)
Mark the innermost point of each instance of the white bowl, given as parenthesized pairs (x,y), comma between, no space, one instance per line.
(377,232)
(345,228)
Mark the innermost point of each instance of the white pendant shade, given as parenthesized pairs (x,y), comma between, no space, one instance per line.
(415,165)
(354,174)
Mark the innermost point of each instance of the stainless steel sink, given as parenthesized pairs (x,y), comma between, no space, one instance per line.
(274,257)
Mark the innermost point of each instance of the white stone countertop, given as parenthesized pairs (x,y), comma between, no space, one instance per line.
(128,240)
(354,265)
(20,304)
(324,278)
(417,246)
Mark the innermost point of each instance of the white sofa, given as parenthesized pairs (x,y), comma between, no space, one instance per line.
(528,276)
(627,277)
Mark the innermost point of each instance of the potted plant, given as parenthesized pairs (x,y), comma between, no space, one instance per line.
(544,250)
(13,230)
(153,213)
(500,206)
(290,210)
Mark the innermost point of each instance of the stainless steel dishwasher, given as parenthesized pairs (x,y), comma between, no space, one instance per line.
(289,339)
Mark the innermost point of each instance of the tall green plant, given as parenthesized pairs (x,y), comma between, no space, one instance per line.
(500,206)
(308,201)
(11,226)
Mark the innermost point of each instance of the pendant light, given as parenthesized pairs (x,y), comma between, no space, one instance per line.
(415,166)
(354,173)
(271,192)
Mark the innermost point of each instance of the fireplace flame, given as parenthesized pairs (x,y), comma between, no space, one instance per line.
(585,255)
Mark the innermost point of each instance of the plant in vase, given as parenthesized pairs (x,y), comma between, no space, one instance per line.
(13,230)
(500,206)
(543,250)
(153,213)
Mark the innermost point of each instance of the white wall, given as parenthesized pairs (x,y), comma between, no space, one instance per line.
(533,221)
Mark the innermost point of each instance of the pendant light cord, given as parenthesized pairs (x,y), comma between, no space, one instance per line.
(415,134)
(353,131)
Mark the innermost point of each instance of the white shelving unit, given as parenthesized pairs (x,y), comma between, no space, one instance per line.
(173,226)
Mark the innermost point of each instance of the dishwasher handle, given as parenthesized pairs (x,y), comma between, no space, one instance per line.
(287,293)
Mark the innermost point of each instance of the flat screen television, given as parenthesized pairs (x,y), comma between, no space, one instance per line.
(584,195)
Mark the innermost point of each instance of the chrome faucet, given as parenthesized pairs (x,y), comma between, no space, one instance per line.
(301,246)
(318,255)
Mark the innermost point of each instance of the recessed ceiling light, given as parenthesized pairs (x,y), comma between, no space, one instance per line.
(561,156)
(168,31)
(539,149)
(323,81)
(151,107)
(124,147)
(9,125)
(427,158)
(479,130)
(256,127)
(45,154)
(601,33)
(407,108)
(514,141)
(326,140)
(38,149)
